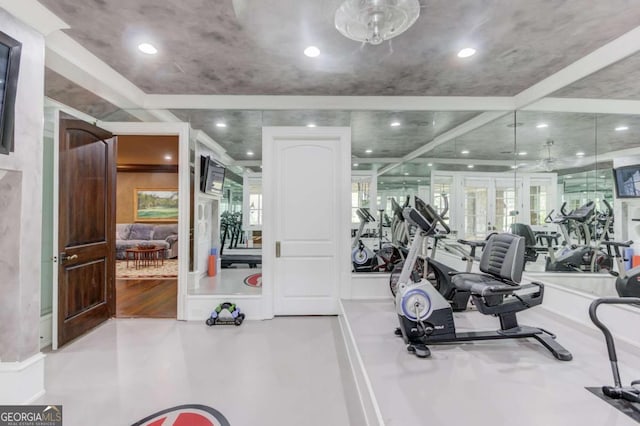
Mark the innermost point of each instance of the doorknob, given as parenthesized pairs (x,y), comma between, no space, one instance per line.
(64,257)
(277,248)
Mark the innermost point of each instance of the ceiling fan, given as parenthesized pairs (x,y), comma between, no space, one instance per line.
(549,163)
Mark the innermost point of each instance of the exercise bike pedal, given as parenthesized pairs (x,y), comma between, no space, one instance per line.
(397,332)
(421,351)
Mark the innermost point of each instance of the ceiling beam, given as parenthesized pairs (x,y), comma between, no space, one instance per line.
(587,106)
(369,103)
(610,53)
(469,125)
(35,15)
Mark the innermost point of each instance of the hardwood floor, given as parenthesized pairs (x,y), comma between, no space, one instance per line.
(147,298)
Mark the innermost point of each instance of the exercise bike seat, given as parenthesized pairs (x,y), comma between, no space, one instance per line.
(483,285)
(501,264)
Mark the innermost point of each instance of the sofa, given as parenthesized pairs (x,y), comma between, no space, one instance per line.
(129,235)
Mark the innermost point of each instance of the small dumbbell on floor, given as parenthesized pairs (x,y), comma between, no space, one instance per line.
(236,318)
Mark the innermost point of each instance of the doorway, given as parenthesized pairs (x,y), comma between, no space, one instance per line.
(147,236)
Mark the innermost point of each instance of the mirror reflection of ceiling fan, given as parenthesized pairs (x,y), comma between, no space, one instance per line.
(549,163)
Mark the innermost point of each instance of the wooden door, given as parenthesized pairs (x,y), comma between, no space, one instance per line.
(86,230)
(312,219)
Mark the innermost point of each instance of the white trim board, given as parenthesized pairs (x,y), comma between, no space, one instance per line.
(46,328)
(22,382)
(368,401)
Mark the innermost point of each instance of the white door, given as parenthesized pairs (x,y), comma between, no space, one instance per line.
(307,218)
(479,211)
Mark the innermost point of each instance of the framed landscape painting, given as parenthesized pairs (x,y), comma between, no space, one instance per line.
(155,205)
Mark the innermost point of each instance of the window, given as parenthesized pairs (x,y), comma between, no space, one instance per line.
(255,203)
(505,208)
(538,199)
(359,196)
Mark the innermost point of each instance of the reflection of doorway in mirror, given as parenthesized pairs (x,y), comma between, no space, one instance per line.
(476,219)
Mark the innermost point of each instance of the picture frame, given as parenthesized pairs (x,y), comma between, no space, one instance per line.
(155,204)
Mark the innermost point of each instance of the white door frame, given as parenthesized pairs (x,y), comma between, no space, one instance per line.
(269,218)
(182,131)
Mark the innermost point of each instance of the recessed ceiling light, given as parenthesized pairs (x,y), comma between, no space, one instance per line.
(355,164)
(580,154)
(311,125)
(430,164)
(622,128)
(249,153)
(569,177)
(260,165)
(368,151)
(470,166)
(419,180)
(514,167)
(395,124)
(406,174)
(382,183)
(542,125)
(147,48)
(464,151)
(312,52)
(168,157)
(603,177)
(221,124)
(522,153)
(466,52)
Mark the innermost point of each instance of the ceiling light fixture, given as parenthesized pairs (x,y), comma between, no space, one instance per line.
(622,128)
(147,48)
(394,124)
(312,52)
(580,154)
(466,52)
(514,167)
(406,174)
(430,164)
(250,153)
(522,153)
(569,177)
(221,124)
(311,125)
(374,21)
(470,166)
(368,151)
(603,177)
(542,126)
(464,151)
(355,164)
(168,157)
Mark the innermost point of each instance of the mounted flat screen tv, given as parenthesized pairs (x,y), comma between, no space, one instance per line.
(211,176)
(627,181)
(10,51)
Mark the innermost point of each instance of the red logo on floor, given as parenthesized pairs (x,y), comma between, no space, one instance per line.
(185,415)
(254,280)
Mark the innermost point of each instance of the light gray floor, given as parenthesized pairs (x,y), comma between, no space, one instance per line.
(488,383)
(288,371)
(227,281)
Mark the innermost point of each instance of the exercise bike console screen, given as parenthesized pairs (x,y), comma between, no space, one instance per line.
(627,181)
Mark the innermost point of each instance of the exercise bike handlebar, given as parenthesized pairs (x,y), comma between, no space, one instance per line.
(562,210)
(609,208)
(593,314)
(549,219)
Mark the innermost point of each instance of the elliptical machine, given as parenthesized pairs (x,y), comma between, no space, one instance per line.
(617,391)
(426,317)
(366,260)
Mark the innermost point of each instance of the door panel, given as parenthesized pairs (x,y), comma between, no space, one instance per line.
(308,203)
(86,242)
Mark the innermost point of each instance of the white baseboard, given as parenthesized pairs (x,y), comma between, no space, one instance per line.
(22,382)
(199,307)
(45,330)
(368,401)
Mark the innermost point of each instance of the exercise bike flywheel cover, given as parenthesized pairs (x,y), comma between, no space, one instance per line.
(360,257)
(415,297)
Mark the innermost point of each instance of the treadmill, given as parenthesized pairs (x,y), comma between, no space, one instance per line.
(229,260)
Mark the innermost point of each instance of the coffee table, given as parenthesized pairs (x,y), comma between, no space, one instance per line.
(143,257)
